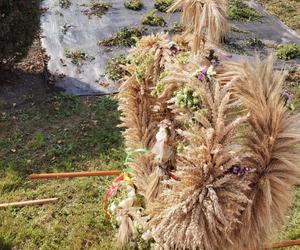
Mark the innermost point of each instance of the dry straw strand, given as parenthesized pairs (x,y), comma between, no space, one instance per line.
(207,19)
(272,147)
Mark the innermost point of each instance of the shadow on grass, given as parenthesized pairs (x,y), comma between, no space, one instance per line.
(60,133)
(63,133)
(4,245)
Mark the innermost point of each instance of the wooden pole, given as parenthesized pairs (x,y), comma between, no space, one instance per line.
(286,243)
(281,244)
(30,202)
(74,174)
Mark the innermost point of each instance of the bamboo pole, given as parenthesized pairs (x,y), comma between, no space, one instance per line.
(74,174)
(30,202)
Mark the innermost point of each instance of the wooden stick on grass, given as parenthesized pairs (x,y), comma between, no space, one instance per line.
(27,203)
(75,174)
(286,243)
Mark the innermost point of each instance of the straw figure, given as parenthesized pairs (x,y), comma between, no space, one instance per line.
(220,146)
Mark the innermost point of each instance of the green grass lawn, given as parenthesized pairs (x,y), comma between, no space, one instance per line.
(287,11)
(60,134)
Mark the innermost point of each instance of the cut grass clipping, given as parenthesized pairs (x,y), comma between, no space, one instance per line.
(133,4)
(65,4)
(234,48)
(176,28)
(125,37)
(288,51)
(163,5)
(240,11)
(77,57)
(152,19)
(113,68)
(255,43)
(96,9)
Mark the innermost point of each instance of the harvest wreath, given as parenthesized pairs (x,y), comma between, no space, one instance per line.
(216,148)
(212,147)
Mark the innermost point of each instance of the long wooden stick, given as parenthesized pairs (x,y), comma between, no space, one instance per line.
(75,174)
(286,243)
(30,202)
(281,244)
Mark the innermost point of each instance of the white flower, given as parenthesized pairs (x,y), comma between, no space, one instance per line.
(211,72)
(171,44)
(126,203)
(147,235)
(136,224)
(118,219)
(131,194)
(122,204)
(112,207)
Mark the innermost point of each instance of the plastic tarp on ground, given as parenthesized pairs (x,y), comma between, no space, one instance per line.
(69,28)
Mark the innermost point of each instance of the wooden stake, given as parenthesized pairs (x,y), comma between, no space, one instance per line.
(74,174)
(26,203)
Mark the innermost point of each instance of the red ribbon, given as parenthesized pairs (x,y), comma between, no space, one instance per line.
(108,193)
(173,176)
(115,187)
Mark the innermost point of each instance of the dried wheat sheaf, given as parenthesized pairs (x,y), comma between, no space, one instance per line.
(205,19)
(238,158)
(272,146)
(136,104)
(213,207)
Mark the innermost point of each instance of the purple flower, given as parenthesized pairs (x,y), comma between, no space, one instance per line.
(202,74)
(287,97)
(173,47)
(237,170)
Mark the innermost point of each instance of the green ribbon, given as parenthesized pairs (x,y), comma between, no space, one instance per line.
(131,153)
(128,170)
